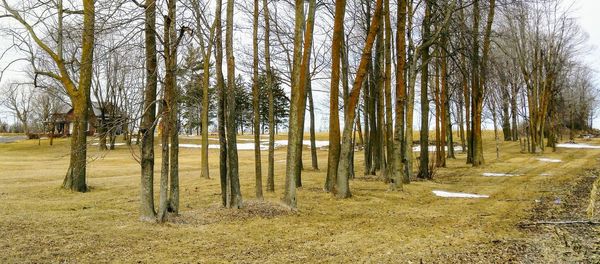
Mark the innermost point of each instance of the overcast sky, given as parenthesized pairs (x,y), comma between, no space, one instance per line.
(585,11)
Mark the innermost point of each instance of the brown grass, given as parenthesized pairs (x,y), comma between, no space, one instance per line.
(39,222)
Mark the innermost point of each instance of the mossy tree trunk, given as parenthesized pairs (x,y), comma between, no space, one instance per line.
(78,91)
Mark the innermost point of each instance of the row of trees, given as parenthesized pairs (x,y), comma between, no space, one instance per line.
(513,64)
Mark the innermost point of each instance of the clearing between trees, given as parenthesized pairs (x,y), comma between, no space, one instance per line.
(42,223)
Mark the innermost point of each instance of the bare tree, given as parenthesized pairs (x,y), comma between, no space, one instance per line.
(77,89)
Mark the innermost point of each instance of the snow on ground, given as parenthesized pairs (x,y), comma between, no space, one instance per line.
(191,145)
(318,143)
(577,146)
(107,144)
(458,194)
(492,174)
(432,148)
(9,139)
(240,146)
(549,160)
(545,174)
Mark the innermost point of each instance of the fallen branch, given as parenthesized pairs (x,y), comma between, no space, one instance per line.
(573,222)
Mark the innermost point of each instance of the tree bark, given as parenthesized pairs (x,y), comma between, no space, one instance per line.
(75,179)
(313,145)
(398,156)
(342,187)
(148,126)
(443,102)
(479,79)
(172,92)
(424,133)
(221,104)
(271,158)
(334,118)
(256,104)
(389,132)
(235,198)
(301,68)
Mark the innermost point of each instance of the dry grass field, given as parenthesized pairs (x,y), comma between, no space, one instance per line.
(41,223)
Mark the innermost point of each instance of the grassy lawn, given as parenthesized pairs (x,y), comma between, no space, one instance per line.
(39,222)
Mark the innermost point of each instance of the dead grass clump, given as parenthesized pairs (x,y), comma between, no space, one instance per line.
(216,213)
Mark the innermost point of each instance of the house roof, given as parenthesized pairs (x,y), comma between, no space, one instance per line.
(63,109)
(95,107)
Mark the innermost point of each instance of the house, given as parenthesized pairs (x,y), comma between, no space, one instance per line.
(61,121)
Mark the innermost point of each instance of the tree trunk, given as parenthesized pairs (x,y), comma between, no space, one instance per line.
(461,123)
(271,169)
(389,132)
(75,179)
(342,187)
(256,104)
(147,126)
(479,81)
(477,91)
(235,198)
(438,115)
(204,171)
(334,118)
(221,105)
(398,156)
(301,68)
(102,133)
(424,133)
(450,134)
(376,103)
(311,110)
(513,112)
(443,102)
(164,169)
(506,130)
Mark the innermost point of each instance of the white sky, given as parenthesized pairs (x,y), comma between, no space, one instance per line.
(585,11)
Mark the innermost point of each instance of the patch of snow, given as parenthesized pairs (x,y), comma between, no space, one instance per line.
(458,195)
(492,174)
(545,174)
(107,144)
(432,148)
(549,160)
(577,146)
(240,146)
(191,146)
(318,143)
